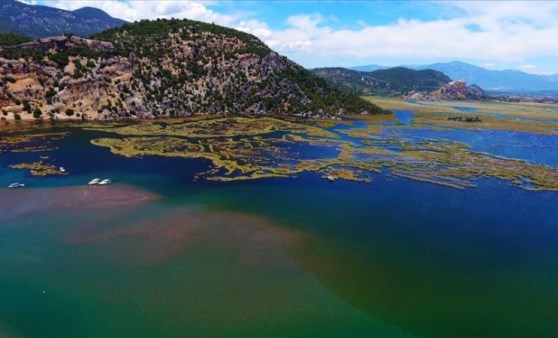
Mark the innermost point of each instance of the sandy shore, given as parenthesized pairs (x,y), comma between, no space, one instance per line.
(19,202)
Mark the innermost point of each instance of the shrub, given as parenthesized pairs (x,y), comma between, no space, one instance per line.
(11,39)
(61,59)
(37,113)
(26,106)
(49,95)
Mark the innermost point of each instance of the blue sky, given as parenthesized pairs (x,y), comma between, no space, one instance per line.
(493,34)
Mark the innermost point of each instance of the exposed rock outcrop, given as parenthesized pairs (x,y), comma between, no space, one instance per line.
(454,90)
(161,68)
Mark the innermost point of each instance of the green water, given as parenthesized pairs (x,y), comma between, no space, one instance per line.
(275,257)
(114,283)
(455,264)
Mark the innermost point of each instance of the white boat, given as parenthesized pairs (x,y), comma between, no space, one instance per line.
(94,181)
(106,181)
(16,185)
(330,178)
(62,170)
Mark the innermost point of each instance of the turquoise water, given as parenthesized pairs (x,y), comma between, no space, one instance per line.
(281,257)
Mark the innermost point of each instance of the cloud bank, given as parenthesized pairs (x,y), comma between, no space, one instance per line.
(490,32)
(501,31)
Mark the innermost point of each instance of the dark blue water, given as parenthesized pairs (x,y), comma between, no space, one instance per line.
(427,259)
(533,148)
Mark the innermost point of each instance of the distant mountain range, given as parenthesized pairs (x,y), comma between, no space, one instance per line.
(42,21)
(370,68)
(510,81)
(392,81)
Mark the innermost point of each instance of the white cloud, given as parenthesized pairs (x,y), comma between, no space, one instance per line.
(528,67)
(506,32)
(509,32)
(533,69)
(137,10)
(254,27)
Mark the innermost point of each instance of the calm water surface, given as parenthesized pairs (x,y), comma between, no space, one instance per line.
(283,257)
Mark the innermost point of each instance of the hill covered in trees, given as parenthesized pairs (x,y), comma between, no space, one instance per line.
(162,68)
(392,81)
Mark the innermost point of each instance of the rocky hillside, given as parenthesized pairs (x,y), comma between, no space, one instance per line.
(393,81)
(43,21)
(455,90)
(161,68)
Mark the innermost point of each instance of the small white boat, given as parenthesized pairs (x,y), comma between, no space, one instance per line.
(330,178)
(94,181)
(62,170)
(16,185)
(106,181)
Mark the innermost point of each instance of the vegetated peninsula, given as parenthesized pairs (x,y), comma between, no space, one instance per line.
(162,68)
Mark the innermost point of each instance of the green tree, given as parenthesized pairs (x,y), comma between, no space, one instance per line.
(26,106)
(49,94)
(37,113)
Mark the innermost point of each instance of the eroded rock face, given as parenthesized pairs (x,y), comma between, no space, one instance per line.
(190,69)
(458,90)
(67,42)
(454,90)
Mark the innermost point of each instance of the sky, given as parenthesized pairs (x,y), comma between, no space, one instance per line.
(491,34)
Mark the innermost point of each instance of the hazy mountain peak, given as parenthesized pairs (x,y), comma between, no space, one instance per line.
(42,21)
(491,80)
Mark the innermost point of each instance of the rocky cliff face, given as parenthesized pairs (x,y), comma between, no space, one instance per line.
(454,90)
(161,68)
